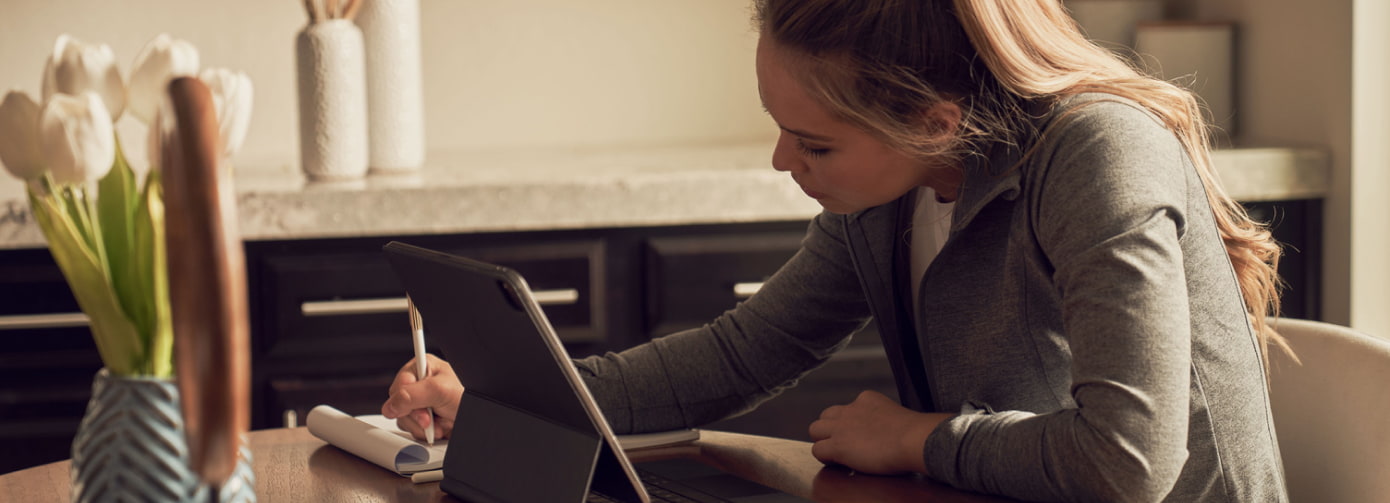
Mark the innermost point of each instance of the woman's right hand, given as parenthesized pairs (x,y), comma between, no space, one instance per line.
(411,398)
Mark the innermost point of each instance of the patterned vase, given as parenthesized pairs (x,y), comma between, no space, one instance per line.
(130,447)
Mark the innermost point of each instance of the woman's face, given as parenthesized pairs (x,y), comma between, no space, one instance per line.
(840,166)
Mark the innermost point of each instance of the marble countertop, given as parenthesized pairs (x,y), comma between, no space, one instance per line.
(515,190)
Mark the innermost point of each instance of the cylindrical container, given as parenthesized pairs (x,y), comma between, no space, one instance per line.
(1198,55)
(332,101)
(1111,23)
(395,100)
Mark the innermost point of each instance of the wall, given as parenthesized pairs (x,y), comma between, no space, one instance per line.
(1315,73)
(1370,241)
(520,73)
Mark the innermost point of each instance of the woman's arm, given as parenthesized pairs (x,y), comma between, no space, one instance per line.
(802,315)
(1109,214)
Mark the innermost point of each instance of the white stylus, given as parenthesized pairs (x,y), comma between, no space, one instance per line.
(422,368)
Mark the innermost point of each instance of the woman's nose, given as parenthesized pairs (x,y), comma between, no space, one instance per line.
(784,155)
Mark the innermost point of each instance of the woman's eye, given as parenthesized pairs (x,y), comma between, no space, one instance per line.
(808,151)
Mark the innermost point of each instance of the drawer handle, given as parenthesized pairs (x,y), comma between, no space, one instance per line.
(562,297)
(746,290)
(53,320)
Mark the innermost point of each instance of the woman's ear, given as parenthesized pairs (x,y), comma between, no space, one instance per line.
(942,118)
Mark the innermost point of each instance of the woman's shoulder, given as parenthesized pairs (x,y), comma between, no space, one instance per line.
(1104,140)
(1096,112)
(1099,123)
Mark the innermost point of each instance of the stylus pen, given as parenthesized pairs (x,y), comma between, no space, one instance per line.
(422,369)
(427,476)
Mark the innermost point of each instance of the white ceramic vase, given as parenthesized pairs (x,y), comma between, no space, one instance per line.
(332,101)
(395,99)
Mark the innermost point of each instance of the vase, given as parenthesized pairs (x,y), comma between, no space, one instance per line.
(331,71)
(395,96)
(130,446)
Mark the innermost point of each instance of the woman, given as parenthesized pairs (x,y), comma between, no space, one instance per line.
(1072,307)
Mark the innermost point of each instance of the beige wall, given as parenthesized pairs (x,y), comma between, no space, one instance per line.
(1370,191)
(1316,73)
(516,73)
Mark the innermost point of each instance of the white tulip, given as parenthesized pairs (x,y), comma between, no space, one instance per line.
(19,136)
(231,94)
(78,138)
(75,68)
(155,137)
(160,61)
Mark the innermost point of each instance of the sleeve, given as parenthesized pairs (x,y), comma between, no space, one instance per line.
(802,314)
(1108,213)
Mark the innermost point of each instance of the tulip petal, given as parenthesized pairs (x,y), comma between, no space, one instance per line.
(19,137)
(162,59)
(78,138)
(232,95)
(76,68)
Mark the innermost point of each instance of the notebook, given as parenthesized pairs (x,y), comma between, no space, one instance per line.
(377,439)
(532,429)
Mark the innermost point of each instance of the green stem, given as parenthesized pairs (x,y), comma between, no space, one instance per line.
(67,199)
(94,221)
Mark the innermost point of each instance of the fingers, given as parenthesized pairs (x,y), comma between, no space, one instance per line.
(408,423)
(399,402)
(440,390)
(411,422)
(826,451)
(411,399)
(442,427)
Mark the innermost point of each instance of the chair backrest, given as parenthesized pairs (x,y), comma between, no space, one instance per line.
(1332,412)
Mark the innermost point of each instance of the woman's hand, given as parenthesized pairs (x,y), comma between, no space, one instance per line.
(873,434)
(411,398)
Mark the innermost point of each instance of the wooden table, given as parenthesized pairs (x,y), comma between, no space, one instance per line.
(293,465)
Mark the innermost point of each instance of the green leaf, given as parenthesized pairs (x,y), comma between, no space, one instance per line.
(116,201)
(151,266)
(116,337)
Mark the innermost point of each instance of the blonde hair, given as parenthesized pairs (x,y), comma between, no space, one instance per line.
(878,64)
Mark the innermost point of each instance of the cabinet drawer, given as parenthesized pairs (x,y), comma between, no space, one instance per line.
(353,394)
(327,305)
(691,280)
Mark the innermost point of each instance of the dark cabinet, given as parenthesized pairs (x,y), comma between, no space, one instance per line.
(691,279)
(1297,225)
(329,324)
(329,320)
(47,361)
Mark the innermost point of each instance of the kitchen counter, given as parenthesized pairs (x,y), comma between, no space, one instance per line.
(516,190)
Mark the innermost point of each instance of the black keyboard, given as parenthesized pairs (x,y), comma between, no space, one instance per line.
(660,489)
(688,481)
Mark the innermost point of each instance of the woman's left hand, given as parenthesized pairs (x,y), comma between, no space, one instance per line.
(873,434)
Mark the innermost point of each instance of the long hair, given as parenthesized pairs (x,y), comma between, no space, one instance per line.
(877,64)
